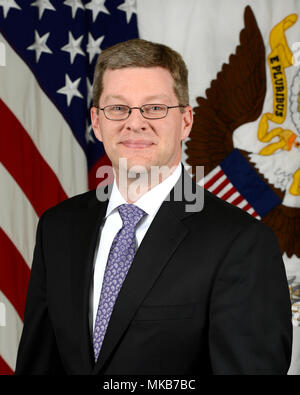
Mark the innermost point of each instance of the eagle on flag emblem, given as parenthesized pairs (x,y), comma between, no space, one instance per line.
(251,179)
(246,133)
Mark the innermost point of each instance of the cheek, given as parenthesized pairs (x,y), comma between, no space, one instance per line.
(108,131)
(171,136)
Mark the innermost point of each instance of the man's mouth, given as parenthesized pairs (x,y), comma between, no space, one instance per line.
(137,144)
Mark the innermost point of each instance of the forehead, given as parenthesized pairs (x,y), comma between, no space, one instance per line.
(138,82)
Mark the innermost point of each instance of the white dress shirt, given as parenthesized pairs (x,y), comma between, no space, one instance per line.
(150,202)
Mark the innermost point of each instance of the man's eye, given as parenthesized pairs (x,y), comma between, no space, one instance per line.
(154,108)
(118,108)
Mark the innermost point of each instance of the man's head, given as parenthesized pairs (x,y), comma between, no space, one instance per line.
(142,53)
(135,73)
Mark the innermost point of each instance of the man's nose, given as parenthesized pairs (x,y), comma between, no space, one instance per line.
(136,121)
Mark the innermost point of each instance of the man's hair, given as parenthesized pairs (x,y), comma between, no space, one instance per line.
(142,53)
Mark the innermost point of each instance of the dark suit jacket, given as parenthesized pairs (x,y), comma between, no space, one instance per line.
(205,294)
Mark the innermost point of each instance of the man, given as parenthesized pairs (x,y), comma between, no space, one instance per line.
(140,284)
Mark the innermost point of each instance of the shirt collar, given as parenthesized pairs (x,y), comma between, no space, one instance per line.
(151,201)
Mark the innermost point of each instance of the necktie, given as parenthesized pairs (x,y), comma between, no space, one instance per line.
(120,256)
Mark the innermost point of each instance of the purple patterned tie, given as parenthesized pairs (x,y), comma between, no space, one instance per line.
(119,260)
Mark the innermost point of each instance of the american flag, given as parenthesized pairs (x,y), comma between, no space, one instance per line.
(235,181)
(48,50)
(220,185)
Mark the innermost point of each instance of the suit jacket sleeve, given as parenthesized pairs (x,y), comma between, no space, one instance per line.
(38,353)
(250,315)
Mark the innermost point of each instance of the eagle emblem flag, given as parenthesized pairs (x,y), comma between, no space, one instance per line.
(263,179)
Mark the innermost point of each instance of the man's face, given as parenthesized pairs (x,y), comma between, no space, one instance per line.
(143,142)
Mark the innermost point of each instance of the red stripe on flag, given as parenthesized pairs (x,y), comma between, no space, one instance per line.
(247,207)
(237,200)
(4,368)
(93,180)
(221,186)
(209,183)
(26,165)
(14,274)
(230,192)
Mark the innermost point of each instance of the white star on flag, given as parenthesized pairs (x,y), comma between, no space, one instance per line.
(39,45)
(7,5)
(97,6)
(70,89)
(73,47)
(129,7)
(42,6)
(75,5)
(89,134)
(89,89)
(93,46)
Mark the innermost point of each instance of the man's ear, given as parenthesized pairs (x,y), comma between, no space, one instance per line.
(187,122)
(96,123)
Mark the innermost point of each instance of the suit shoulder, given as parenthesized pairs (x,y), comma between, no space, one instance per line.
(224,211)
(72,204)
(214,208)
(224,219)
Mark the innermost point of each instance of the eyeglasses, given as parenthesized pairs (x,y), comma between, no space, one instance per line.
(119,112)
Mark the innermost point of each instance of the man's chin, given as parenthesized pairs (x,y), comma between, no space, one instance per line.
(135,166)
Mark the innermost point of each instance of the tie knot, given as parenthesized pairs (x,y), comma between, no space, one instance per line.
(130,214)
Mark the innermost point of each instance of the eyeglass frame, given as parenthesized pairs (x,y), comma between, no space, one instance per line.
(139,108)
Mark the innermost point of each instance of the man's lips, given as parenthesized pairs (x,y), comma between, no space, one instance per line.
(137,144)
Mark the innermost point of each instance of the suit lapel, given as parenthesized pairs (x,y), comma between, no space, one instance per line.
(163,237)
(84,238)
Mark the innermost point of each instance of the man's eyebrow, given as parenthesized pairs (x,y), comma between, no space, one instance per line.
(157,97)
(118,97)
(147,99)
